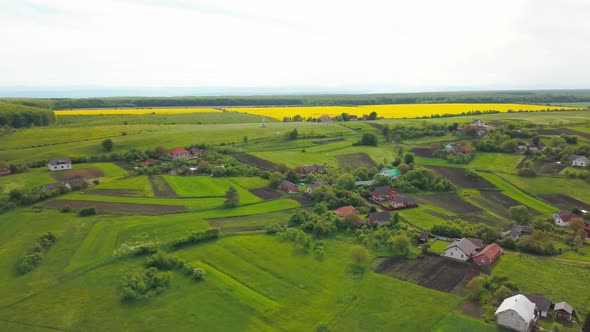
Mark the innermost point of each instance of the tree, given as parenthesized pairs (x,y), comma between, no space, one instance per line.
(476,287)
(107,144)
(346,181)
(351,220)
(245,139)
(400,244)
(502,293)
(360,255)
(403,168)
(275,179)
(409,158)
(576,225)
(373,115)
(232,197)
(293,134)
(368,139)
(520,214)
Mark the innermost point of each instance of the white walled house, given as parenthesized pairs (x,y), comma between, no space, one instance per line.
(460,250)
(59,164)
(516,313)
(579,161)
(562,218)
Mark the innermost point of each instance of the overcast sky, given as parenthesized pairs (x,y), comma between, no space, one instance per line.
(385,45)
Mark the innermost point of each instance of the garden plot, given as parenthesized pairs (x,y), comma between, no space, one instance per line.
(458,177)
(117,207)
(356,160)
(565,202)
(449,202)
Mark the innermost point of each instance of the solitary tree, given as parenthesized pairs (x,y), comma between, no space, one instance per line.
(293,134)
(107,144)
(519,213)
(232,198)
(275,179)
(360,255)
(369,139)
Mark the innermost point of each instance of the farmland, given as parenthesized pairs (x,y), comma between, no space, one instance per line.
(257,281)
(392,111)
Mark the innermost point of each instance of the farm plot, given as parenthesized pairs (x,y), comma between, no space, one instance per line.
(422,152)
(250,223)
(566,131)
(255,161)
(356,160)
(549,168)
(565,202)
(449,202)
(265,193)
(33,179)
(205,186)
(458,177)
(160,187)
(114,192)
(431,271)
(294,158)
(87,173)
(117,207)
(498,203)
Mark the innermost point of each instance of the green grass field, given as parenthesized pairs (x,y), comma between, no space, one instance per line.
(453,322)
(204,186)
(30,180)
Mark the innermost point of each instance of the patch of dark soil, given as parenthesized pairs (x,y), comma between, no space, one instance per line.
(457,176)
(255,161)
(265,193)
(565,202)
(521,163)
(302,199)
(549,168)
(376,125)
(356,160)
(86,173)
(117,207)
(566,131)
(500,203)
(422,152)
(449,202)
(472,309)
(160,187)
(328,141)
(433,272)
(114,192)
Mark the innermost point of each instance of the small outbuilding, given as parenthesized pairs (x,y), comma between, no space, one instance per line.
(563,311)
(381,218)
(289,187)
(384,193)
(4,171)
(516,313)
(59,164)
(488,255)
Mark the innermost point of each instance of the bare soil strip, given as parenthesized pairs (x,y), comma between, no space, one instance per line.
(117,207)
(457,176)
(265,193)
(356,160)
(328,141)
(565,202)
(87,173)
(500,203)
(114,192)
(449,202)
(160,187)
(431,271)
(255,161)
(422,152)
(566,131)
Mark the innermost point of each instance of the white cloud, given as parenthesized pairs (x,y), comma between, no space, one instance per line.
(397,45)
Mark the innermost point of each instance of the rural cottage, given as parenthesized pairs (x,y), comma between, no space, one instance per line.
(516,313)
(179,153)
(488,254)
(562,218)
(59,164)
(461,249)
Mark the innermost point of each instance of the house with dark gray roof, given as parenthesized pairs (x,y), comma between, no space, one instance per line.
(517,231)
(381,218)
(461,250)
(53,186)
(59,164)
(543,304)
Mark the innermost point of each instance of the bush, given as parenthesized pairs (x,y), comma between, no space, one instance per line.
(196,237)
(65,209)
(163,261)
(274,229)
(34,255)
(141,286)
(87,212)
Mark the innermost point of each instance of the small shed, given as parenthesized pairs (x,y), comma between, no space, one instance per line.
(563,311)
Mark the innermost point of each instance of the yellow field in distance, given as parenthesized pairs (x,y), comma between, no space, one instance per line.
(134,111)
(397,111)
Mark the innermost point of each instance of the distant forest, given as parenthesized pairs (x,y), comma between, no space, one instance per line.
(533,97)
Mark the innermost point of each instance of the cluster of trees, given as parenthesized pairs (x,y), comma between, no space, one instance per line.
(422,179)
(196,237)
(320,222)
(458,229)
(338,118)
(336,195)
(368,139)
(232,198)
(399,133)
(166,262)
(539,243)
(303,241)
(34,255)
(394,238)
(493,288)
(455,158)
(138,286)
(90,211)
(20,116)
(527,169)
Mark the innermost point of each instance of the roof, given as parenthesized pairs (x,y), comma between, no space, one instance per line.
(75,180)
(178,150)
(542,303)
(464,245)
(523,229)
(382,190)
(53,186)
(195,150)
(391,171)
(490,251)
(317,184)
(314,168)
(286,183)
(521,305)
(563,306)
(345,210)
(477,242)
(584,158)
(364,183)
(405,199)
(424,236)
(380,216)
(61,161)
(566,215)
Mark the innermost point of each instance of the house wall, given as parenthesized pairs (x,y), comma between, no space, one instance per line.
(512,320)
(456,253)
(59,167)
(558,221)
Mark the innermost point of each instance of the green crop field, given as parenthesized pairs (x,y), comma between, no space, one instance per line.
(33,179)
(460,323)
(204,186)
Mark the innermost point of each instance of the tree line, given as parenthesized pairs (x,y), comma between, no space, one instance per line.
(20,116)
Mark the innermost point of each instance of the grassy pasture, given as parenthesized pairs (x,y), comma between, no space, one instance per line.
(133,111)
(545,185)
(35,178)
(390,111)
(538,275)
(454,322)
(204,186)
(154,119)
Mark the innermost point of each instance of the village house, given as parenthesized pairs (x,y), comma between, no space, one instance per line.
(392,173)
(4,171)
(326,118)
(487,255)
(310,188)
(314,169)
(521,148)
(289,187)
(516,313)
(53,186)
(563,311)
(59,164)
(423,237)
(364,183)
(148,163)
(76,182)
(461,250)
(562,218)
(179,153)
(517,231)
(353,118)
(195,152)
(403,202)
(385,193)
(542,304)
(458,149)
(346,210)
(579,161)
(533,149)
(381,218)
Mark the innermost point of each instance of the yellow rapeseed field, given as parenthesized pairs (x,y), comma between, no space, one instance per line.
(390,111)
(135,111)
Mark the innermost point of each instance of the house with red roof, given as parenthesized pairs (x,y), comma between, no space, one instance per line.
(487,255)
(346,210)
(289,187)
(179,153)
(563,218)
(326,118)
(380,194)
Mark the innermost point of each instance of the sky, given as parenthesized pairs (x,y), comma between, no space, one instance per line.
(370,45)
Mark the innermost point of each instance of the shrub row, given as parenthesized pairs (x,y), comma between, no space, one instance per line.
(34,255)
(196,237)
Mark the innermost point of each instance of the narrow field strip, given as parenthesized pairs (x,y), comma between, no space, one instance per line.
(117,207)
